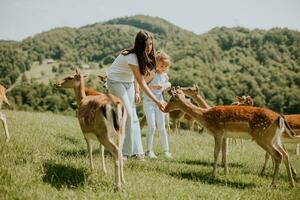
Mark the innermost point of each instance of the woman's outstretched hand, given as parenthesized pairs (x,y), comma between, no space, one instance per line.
(162,106)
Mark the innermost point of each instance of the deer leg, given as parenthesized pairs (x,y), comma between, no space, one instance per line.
(3,119)
(177,127)
(191,126)
(121,137)
(286,160)
(167,116)
(269,147)
(103,158)
(90,152)
(294,172)
(277,159)
(224,155)
(116,154)
(263,170)
(218,145)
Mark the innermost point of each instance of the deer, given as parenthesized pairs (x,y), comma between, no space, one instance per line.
(293,121)
(3,99)
(243,101)
(262,125)
(101,117)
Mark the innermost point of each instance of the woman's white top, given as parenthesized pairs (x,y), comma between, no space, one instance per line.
(120,70)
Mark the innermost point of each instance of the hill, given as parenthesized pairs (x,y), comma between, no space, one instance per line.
(224,62)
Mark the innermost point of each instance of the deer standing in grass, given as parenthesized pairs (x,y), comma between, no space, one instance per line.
(292,120)
(101,117)
(3,98)
(264,126)
(294,123)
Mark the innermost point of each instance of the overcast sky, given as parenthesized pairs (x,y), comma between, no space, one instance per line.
(22,18)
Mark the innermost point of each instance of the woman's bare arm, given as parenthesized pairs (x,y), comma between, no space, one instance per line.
(140,79)
(137,92)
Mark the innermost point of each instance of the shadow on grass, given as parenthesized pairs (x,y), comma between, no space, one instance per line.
(70,139)
(207,163)
(63,176)
(206,178)
(81,153)
(72,153)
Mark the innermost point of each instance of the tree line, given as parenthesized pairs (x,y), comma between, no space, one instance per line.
(224,62)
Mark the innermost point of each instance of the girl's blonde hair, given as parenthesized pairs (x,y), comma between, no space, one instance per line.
(163,56)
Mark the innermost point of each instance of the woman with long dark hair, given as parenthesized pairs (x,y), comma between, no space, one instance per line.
(129,68)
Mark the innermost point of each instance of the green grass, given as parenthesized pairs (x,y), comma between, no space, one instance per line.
(46,159)
(42,73)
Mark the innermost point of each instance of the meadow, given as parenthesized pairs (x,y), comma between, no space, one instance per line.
(46,159)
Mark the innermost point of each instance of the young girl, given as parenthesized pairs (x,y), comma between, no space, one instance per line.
(129,67)
(154,116)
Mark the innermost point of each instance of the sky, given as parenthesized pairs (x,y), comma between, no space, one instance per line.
(22,18)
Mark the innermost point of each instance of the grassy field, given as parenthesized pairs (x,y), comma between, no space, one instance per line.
(46,159)
(42,73)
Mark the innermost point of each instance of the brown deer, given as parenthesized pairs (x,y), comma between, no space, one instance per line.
(264,126)
(3,98)
(293,121)
(243,101)
(101,117)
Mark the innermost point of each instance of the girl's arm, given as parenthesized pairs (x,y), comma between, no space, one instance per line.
(140,80)
(166,85)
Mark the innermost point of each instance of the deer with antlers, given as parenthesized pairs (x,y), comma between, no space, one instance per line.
(3,98)
(264,126)
(101,117)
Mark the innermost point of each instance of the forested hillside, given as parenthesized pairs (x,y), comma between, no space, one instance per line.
(224,62)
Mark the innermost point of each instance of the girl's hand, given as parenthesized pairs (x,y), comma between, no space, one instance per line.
(137,98)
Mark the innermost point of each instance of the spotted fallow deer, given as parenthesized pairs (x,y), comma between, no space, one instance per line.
(3,98)
(293,121)
(101,117)
(264,126)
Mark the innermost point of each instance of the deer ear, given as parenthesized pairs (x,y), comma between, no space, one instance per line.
(102,78)
(177,87)
(197,87)
(173,91)
(77,72)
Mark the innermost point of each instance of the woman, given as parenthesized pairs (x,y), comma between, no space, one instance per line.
(129,68)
